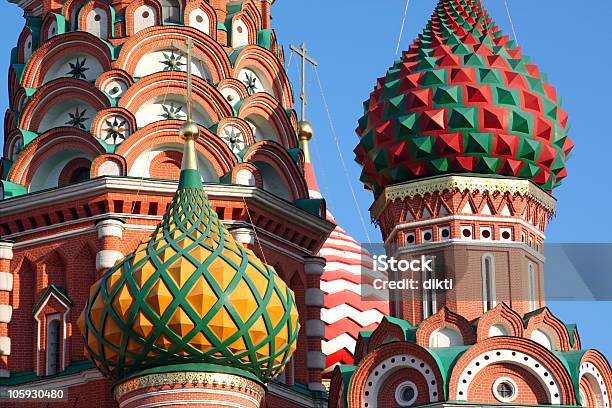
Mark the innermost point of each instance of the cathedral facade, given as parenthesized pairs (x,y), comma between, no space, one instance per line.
(163,240)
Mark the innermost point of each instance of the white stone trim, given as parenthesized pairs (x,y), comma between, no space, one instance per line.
(6,281)
(315,359)
(315,297)
(6,312)
(531,364)
(315,328)
(110,228)
(107,258)
(38,331)
(314,265)
(244,235)
(596,378)
(5,346)
(6,250)
(378,375)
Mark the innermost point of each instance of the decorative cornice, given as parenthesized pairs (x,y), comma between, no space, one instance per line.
(190,377)
(491,185)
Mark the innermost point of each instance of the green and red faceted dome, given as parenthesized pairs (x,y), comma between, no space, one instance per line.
(463,99)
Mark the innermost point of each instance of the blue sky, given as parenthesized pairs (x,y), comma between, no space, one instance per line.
(354,42)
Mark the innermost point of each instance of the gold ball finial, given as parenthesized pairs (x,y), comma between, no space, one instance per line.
(189,130)
(305,130)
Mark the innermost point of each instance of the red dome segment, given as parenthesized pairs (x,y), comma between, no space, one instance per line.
(463,99)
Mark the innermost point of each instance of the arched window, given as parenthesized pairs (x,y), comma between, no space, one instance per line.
(429,295)
(531,289)
(171,12)
(97,23)
(541,337)
(79,174)
(488,282)
(499,329)
(144,16)
(445,337)
(53,344)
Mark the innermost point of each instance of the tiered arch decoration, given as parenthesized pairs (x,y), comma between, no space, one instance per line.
(164,136)
(500,321)
(246,174)
(51,151)
(441,322)
(167,90)
(109,165)
(267,67)
(113,125)
(269,119)
(78,169)
(53,24)
(199,15)
(233,90)
(277,166)
(142,14)
(61,48)
(70,11)
(381,372)
(389,330)
(114,82)
(236,133)
(162,38)
(60,103)
(243,31)
(26,44)
(594,379)
(97,18)
(544,371)
(14,143)
(542,323)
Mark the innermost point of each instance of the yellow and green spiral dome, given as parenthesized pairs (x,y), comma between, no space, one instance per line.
(190,294)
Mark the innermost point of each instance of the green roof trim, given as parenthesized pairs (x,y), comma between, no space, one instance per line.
(61,292)
(24,377)
(447,357)
(11,189)
(571,361)
(311,206)
(264,39)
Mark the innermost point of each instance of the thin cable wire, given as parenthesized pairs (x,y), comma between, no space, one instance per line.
(399,38)
(511,23)
(254,230)
(342,162)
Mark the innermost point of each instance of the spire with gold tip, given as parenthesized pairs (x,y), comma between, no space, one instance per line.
(190,294)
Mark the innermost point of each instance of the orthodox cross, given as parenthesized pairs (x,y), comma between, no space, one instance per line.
(187,50)
(302,53)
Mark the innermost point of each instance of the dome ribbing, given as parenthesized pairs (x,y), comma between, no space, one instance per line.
(463,99)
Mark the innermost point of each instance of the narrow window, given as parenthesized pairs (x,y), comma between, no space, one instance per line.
(531,287)
(429,296)
(170,11)
(53,345)
(488,282)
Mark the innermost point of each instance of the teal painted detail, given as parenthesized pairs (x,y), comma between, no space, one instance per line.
(314,206)
(190,178)
(446,358)
(264,39)
(571,361)
(59,291)
(24,377)
(11,189)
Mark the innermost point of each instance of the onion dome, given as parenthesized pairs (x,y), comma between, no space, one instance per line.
(350,304)
(190,294)
(463,99)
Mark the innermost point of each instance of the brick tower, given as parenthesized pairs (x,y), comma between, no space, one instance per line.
(92,156)
(462,143)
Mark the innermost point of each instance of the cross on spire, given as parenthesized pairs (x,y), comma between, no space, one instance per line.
(187,49)
(305,58)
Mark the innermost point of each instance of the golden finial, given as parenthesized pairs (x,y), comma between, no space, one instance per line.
(305,131)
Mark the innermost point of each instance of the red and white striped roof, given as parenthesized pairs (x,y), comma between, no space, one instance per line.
(347,273)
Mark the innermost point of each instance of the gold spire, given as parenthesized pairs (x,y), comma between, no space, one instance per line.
(305,130)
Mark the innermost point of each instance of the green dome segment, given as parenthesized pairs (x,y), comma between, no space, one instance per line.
(463,99)
(190,294)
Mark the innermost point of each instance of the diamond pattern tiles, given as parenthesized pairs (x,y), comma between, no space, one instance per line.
(190,294)
(463,99)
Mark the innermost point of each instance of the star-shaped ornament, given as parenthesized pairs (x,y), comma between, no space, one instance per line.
(172,111)
(250,81)
(115,130)
(77,119)
(77,70)
(172,61)
(233,138)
